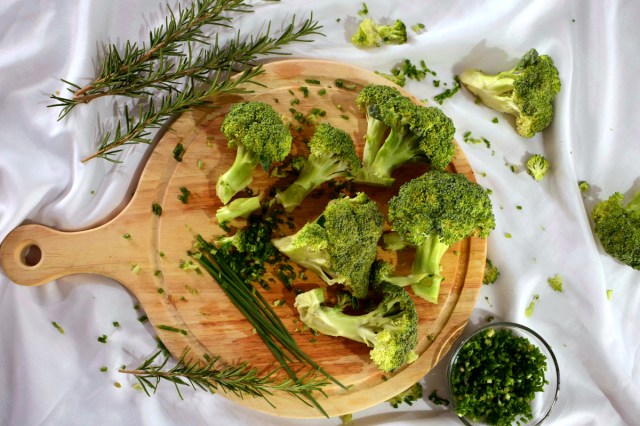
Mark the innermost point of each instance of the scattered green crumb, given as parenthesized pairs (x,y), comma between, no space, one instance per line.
(143,318)
(188,265)
(117,384)
(494,120)
(157,273)
(156,209)
(200,164)
(136,306)
(135,268)
(178,152)
(116,324)
(126,236)
(529,310)
(448,93)
(609,293)
(364,11)
(436,83)
(468,138)
(172,329)
(160,290)
(346,419)
(437,399)
(555,283)
(486,298)
(418,27)
(184,195)
(137,387)
(305,91)
(583,185)
(508,235)
(313,340)
(279,302)
(102,339)
(312,81)
(161,253)
(490,318)
(291,92)
(93,192)
(491,273)
(431,337)
(104,369)
(514,168)
(57,327)
(322,92)
(344,116)
(518,207)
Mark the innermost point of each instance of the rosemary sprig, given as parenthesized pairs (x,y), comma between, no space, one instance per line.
(262,317)
(241,379)
(121,70)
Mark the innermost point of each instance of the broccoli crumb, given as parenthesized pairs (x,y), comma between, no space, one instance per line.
(419,27)
(437,399)
(408,396)
(116,324)
(555,283)
(104,369)
(491,273)
(609,293)
(508,235)
(584,186)
(156,209)
(494,120)
(57,327)
(178,152)
(103,339)
(184,195)
(346,419)
(529,310)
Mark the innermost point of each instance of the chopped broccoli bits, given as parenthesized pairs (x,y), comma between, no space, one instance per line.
(495,376)
(372,34)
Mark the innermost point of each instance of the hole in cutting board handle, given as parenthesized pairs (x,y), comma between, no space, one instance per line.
(31,255)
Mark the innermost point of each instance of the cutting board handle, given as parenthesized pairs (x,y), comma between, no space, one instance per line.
(34,254)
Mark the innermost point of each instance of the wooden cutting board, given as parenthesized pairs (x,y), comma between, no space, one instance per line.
(148,262)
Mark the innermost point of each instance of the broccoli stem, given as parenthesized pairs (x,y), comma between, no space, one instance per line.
(374,138)
(238,176)
(315,172)
(398,148)
(427,264)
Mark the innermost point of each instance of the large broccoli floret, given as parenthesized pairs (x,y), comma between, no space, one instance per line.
(527,91)
(400,131)
(391,328)
(260,136)
(332,155)
(341,244)
(618,227)
(370,34)
(432,212)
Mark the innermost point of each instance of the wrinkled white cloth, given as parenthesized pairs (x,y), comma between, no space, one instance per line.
(49,378)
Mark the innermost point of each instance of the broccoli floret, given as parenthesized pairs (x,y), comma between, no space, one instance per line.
(238,208)
(341,244)
(584,186)
(260,136)
(391,328)
(527,91)
(371,34)
(332,155)
(491,273)
(414,132)
(555,282)
(408,396)
(537,166)
(618,227)
(432,212)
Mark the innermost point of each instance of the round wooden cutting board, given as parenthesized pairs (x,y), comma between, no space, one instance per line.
(148,262)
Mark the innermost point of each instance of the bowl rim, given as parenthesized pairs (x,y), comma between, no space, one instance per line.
(504,325)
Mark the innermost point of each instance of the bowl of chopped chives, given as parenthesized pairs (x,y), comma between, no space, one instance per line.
(502,374)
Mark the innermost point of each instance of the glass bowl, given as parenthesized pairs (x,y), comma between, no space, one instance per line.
(544,401)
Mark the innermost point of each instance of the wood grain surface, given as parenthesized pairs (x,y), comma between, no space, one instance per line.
(148,263)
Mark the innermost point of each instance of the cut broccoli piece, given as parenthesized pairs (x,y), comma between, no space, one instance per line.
(584,186)
(260,136)
(414,132)
(408,396)
(341,244)
(432,212)
(238,208)
(537,166)
(555,282)
(371,34)
(527,91)
(332,155)
(618,227)
(491,273)
(391,328)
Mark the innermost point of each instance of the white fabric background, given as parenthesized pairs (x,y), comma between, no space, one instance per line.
(51,379)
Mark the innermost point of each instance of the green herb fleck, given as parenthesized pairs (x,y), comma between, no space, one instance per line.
(102,339)
(126,236)
(143,318)
(312,81)
(364,11)
(57,327)
(116,324)
(184,194)
(584,186)
(448,93)
(104,369)
(436,399)
(156,209)
(529,310)
(322,92)
(178,152)
(609,293)
(418,27)
(494,120)
(508,235)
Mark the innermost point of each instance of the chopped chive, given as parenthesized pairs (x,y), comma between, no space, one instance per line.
(156,209)
(172,329)
(57,327)
(178,152)
(102,339)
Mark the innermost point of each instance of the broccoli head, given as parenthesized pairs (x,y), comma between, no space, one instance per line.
(332,155)
(618,227)
(400,131)
(260,136)
(527,91)
(391,328)
(340,245)
(537,166)
(370,33)
(432,212)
